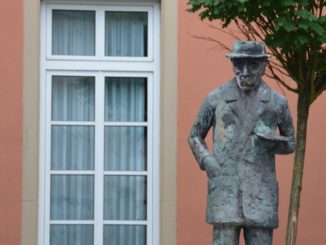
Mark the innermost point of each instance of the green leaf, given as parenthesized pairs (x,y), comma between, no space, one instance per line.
(303,40)
(282,21)
(316,27)
(322,20)
(289,3)
(304,25)
(289,26)
(307,15)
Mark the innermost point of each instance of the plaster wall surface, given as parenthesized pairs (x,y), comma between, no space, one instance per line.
(11,69)
(202,66)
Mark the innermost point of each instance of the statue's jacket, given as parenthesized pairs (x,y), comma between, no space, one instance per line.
(245,191)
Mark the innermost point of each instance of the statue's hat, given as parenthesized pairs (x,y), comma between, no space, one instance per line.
(248,49)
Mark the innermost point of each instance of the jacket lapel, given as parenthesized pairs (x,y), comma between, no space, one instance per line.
(232,96)
(258,103)
(246,118)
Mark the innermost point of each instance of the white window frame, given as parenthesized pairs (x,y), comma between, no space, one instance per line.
(100,67)
(100,36)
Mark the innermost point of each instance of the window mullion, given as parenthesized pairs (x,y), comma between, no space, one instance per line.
(48,32)
(100,34)
(150,36)
(99,121)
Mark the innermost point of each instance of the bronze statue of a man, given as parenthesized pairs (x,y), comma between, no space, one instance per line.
(245,115)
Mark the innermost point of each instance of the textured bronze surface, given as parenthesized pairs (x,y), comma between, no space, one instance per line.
(245,115)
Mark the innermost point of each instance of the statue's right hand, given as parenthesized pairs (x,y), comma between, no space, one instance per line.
(211,166)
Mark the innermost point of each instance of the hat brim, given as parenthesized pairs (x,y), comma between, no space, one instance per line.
(233,55)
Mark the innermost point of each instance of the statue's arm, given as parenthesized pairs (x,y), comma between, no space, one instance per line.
(203,122)
(285,126)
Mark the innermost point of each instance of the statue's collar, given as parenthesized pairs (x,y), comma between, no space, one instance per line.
(232,92)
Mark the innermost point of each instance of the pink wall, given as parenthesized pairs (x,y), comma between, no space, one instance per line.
(202,68)
(11,86)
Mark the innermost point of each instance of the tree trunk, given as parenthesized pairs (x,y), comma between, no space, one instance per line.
(302,121)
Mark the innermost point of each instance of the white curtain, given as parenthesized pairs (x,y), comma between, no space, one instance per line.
(71,234)
(73,99)
(125,101)
(125,197)
(73,32)
(124,234)
(126,34)
(72,198)
(72,147)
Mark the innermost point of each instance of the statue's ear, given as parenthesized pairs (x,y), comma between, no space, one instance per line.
(264,64)
(233,65)
(233,68)
(265,61)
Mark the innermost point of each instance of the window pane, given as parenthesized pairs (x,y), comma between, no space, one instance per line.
(125,148)
(126,34)
(72,197)
(125,99)
(124,235)
(125,198)
(73,32)
(73,98)
(72,148)
(71,235)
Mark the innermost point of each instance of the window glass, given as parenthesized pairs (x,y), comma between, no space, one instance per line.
(125,99)
(73,98)
(73,32)
(125,197)
(72,148)
(125,149)
(71,234)
(72,197)
(124,235)
(126,33)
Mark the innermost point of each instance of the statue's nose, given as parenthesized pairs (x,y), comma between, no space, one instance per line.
(245,70)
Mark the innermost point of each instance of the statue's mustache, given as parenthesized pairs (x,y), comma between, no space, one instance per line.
(247,81)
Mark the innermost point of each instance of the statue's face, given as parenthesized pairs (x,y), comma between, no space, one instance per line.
(248,72)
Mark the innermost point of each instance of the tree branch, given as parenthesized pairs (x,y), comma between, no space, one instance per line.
(275,66)
(246,32)
(210,39)
(271,69)
(277,82)
(317,93)
(321,7)
(229,33)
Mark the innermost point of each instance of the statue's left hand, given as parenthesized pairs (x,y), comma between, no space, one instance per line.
(268,144)
(211,166)
(272,142)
